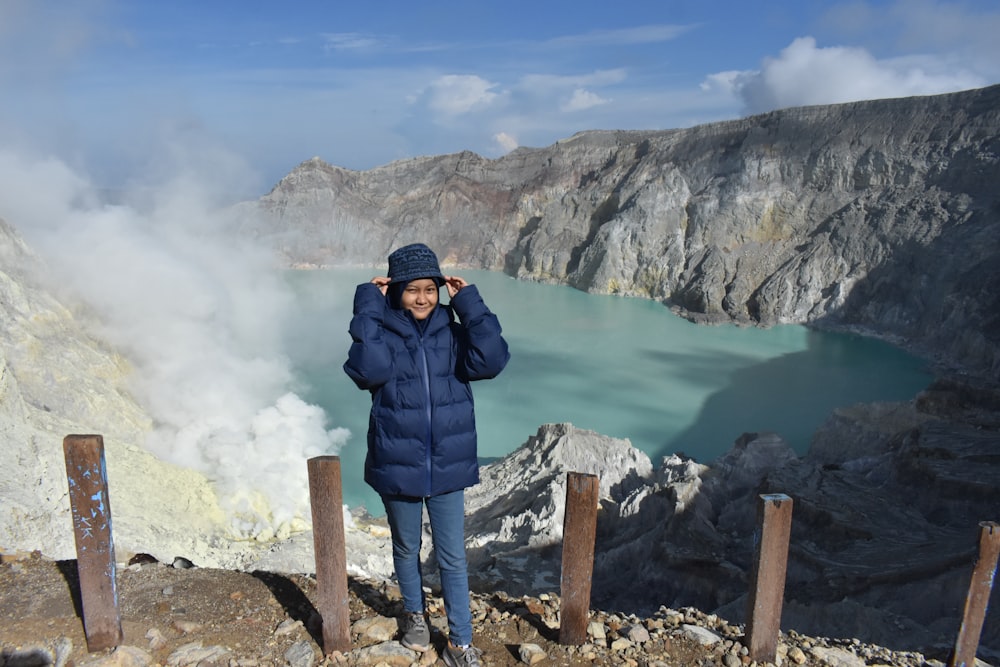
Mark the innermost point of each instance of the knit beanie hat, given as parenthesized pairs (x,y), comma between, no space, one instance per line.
(412,262)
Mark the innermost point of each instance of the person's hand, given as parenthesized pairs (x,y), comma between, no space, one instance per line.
(454,283)
(382,282)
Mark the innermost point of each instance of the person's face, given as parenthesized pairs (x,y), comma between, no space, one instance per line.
(419,297)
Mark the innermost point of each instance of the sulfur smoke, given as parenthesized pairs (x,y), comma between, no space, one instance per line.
(202,315)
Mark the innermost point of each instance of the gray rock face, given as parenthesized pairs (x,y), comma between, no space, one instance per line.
(883,541)
(882,216)
(517,511)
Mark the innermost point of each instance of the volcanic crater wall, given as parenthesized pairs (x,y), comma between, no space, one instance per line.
(880,216)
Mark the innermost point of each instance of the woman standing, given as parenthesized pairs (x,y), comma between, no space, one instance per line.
(417,358)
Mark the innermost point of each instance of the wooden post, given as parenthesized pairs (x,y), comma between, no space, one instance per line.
(767,586)
(95,550)
(326,498)
(979,595)
(579,531)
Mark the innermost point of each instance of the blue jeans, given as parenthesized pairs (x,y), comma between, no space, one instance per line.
(447,515)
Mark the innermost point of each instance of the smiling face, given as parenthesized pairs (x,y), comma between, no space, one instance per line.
(419,297)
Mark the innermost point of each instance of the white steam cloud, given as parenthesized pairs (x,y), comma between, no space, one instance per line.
(201,316)
(806,74)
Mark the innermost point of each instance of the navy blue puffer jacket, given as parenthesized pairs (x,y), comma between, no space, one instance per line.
(422,429)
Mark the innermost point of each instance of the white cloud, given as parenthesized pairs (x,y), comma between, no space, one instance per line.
(953,28)
(547,83)
(647,34)
(40,40)
(724,82)
(505,142)
(804,74)
(456,94)
(348,41)
(924,26)
(582,99)
(547,93)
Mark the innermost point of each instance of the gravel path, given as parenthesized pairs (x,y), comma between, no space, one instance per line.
(221,618)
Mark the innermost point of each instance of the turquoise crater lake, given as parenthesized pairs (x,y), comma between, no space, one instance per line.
(627,368)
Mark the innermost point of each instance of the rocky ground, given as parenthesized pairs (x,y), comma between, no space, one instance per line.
(180,617)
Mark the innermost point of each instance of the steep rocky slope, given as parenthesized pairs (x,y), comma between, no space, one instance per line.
(887,506)
(880,215)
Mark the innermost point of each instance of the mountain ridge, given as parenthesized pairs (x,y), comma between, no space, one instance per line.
(876,216)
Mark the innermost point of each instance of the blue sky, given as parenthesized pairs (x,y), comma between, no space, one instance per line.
(123,90)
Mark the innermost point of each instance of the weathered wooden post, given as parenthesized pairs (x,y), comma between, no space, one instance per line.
(767,586)
(979,595)
(579,531)
(95,549)
(326,498)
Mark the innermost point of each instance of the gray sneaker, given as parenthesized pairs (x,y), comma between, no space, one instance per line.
(416,634)
(462,656)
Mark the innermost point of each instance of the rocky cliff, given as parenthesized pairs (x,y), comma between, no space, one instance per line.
(883,216)
(887,506)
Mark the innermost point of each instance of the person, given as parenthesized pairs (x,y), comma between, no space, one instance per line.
(417,357)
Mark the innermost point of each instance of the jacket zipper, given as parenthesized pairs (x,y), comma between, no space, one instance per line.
(428,433)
